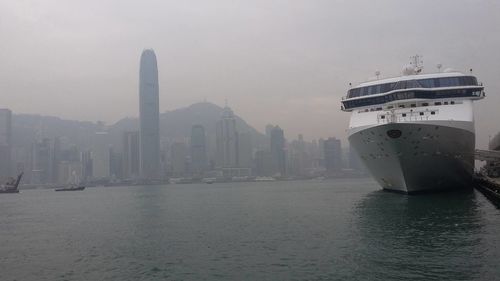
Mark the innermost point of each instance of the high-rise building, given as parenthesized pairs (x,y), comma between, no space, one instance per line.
(245,150)
(298,159)
(263,163)
(227,140)
(101,156)
(149,116)
(130,155)
(86,159)
(278,154)
(5,143)
(333,155)
(56,155)
(198,149)
(178,158)
(115,164)
(42,162)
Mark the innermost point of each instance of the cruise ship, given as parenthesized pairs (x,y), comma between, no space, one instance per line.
(415,133)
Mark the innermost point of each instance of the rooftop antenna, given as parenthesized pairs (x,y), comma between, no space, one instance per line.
(417,63)
(377,73)
(439,67)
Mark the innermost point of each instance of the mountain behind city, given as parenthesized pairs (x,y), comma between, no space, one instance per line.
(175,125)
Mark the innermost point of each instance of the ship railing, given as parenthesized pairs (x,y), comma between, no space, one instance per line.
(396,119)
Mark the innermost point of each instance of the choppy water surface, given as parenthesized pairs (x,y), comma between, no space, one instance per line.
(304,230)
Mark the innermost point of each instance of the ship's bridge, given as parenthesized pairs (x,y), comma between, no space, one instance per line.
(423,86)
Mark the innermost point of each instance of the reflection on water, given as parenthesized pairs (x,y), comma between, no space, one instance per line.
(415,237)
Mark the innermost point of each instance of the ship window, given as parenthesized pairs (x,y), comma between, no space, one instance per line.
(354,93)
(413,105)
(437,103)
(452,102)
(390,107)
(412,84)
(426,83)
(402,106)
(449,81)
(445,103)
(404,114)
(379,108)
(385,87)
(433,112)
(425,104)
(382,116)
(421,113)
(436,82)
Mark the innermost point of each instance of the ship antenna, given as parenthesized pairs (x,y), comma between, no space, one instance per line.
(377,73)
(439,67)
(417,63)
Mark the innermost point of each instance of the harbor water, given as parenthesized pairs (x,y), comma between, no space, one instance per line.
(345,229)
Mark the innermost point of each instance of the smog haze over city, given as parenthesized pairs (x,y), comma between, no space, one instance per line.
(278,62)
(249,140)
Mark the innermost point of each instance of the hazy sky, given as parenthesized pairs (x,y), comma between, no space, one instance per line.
(280,62)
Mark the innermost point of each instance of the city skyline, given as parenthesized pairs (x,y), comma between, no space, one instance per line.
(293,62)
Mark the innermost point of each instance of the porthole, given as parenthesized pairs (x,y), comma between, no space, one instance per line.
(394,133)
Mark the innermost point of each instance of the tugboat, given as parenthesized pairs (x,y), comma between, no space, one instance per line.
(73,187)
(12,185)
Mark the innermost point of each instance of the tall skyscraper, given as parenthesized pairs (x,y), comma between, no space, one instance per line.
(131,155)
(278,151)
(333,155)
(227,140)
(198,149)
(5,142)
(149,116)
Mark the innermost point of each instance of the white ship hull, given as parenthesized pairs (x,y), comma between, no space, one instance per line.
(427,156)
(415,133)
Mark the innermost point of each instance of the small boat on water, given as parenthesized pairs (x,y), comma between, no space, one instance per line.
(11,186)
(209,180)
(71,188)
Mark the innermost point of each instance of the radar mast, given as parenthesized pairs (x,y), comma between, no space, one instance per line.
(417,63)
